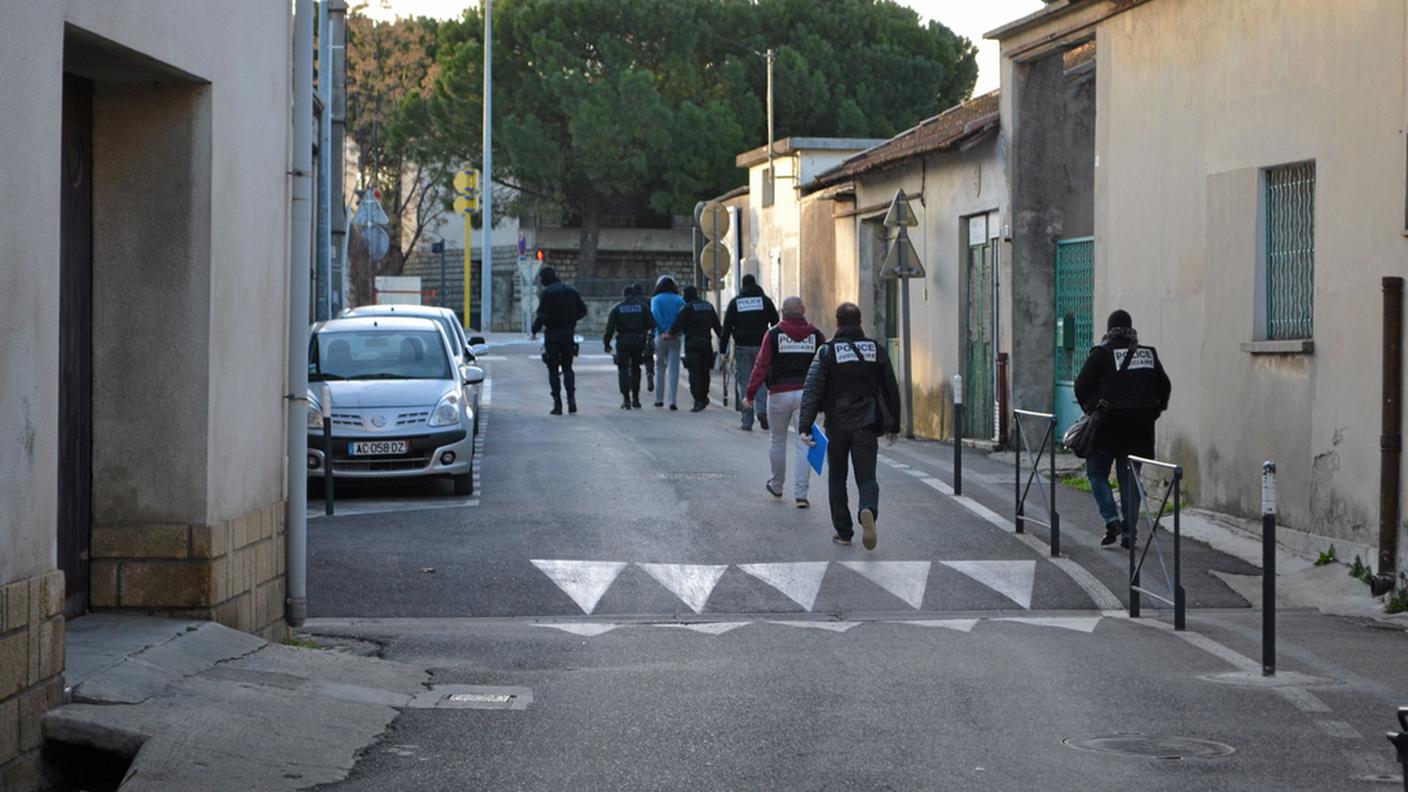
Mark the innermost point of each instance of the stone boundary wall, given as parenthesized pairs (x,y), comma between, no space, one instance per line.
(231,572)
(31,672)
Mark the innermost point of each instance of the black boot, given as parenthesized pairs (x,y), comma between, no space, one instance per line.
(572,404)
(556,406)
(635,400)
(625,402)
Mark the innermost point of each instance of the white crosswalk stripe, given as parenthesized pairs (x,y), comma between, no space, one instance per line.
(692,583)
(800,582)
(1012,579)
(1084,625)
(585,582)
(905,579)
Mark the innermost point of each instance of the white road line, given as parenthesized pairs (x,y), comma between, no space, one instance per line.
(799,582)
(692,583)
(905,579)
(830,626)
(582,628)
(1012,579)
(1303,699)
(961,625)
(584,581)
(1085,624)
(1339,729)
(707,628)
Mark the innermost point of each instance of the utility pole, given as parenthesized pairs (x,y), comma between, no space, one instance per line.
(323,243)
(301,219)
(338,204)
(772,176)
(486,258)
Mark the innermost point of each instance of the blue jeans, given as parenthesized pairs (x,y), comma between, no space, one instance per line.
(743,359)
(1097,470)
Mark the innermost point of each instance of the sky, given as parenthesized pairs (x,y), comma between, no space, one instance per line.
(971,18)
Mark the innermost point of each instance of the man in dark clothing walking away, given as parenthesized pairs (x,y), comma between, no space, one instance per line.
(747,318)
(782,365)
(1126,382)
(560,308)
(629,322)
(696,320)
(852,381)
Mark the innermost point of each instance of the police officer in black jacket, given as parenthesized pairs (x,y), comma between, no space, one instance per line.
(747,317)
(852,381)
(629,322)
(1127,383)
(560,308)
(696,320)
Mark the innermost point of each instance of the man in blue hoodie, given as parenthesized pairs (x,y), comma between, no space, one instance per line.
(665,306)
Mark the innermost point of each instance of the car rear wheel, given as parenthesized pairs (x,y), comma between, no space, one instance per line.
(464,485)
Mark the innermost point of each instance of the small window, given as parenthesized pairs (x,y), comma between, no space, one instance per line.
(1288,265)
(768,183)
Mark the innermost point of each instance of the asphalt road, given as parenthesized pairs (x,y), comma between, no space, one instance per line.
(676,627)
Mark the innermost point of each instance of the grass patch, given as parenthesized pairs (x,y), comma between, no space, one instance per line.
(1326,557)
(301,642)
(1076,482)
(1397,602)
(1361,572)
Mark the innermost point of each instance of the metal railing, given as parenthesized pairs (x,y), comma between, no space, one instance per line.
(1153,520)
(1047,446)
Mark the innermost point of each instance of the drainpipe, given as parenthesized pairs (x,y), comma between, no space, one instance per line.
(1391,441)
(300,255)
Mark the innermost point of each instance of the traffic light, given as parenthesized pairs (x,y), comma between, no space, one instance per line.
(541,256)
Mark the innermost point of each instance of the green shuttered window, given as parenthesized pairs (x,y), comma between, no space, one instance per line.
(1290,250)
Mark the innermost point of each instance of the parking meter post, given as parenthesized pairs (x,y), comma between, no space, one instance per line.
(1055,515)
(1268,569)
(957,434)
(327,450)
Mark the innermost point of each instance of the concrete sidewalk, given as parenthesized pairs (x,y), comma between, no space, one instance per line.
(195,705)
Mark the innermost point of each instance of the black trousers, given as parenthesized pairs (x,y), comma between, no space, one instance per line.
(557,354)
(852,447)
(699,361)
(630,356)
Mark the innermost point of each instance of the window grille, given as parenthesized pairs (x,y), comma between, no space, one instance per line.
(1290,250)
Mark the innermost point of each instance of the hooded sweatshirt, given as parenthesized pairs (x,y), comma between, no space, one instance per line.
(748,317)
(786,353)
(666,303)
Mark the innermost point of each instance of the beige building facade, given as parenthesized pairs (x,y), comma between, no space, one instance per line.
(143,302)
(1248,199)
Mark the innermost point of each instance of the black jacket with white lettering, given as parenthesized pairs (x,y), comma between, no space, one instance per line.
(630,319)
(1136,396)
(695,320)
(848,376)
(748,317)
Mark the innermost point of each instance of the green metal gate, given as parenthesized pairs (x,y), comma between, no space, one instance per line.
(978,371)
(1075,324)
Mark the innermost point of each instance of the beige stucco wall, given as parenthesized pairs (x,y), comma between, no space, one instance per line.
(1195,97)
(944,189)
(31,50)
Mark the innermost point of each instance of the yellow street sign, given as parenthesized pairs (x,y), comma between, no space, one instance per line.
(467,180)
(714,260)
(465,205)
(713,221)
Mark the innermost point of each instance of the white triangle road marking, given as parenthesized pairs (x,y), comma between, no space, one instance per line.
(961,625)
(708,628)
(800,582)
(1011,579)
(832,626)
(582,628)
(583,581)
(905,579)
(1085,624)
(692,583)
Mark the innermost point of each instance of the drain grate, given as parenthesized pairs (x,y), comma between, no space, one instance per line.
(485,697)
(1152,747)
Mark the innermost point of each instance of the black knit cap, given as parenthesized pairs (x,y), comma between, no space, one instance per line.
(691,294)
(749,280)
(1119,318)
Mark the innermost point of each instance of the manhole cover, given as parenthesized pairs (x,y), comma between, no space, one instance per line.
(1170,748)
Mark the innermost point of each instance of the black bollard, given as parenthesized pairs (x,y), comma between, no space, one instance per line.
(327,450)
(957,434)
(1268,569)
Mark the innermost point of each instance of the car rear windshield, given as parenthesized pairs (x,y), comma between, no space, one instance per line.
(377,354)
